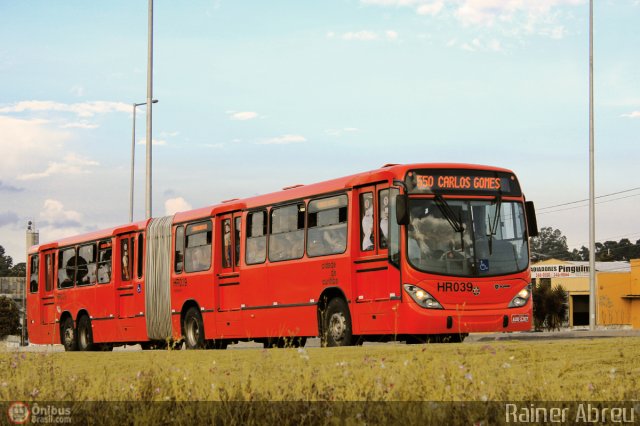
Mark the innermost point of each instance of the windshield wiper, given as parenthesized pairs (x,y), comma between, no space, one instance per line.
(449,214)
(493,226)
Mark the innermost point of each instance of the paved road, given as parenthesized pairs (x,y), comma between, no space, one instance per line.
(13,344)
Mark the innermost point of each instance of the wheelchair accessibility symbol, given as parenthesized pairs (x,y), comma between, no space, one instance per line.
(484,265)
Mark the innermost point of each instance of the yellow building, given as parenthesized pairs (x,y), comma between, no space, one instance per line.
(617,290)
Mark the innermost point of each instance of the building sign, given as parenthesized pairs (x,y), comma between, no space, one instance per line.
(559,271)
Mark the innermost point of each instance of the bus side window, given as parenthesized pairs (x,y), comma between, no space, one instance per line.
(237,226)
(226,243)
(104,262)
(33,279)
(367,236)
(256,238)
(125,259)
(383,214)
(178,262)
(86,273)
(286,239)
(66,267)
(49,260)
(327,226)
(197,253)
(140,256)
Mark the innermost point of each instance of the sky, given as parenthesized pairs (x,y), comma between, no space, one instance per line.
(254,96)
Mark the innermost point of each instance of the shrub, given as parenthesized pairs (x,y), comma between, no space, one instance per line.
(550,306)
(9,317)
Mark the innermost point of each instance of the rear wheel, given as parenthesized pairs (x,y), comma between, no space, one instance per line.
(85,334)
(68,335)
(336,324)
(193,329)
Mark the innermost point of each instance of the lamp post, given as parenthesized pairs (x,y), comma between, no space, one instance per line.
(133,156)
(592,209)
(148,209)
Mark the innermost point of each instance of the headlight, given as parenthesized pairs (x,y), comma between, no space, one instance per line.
(521,298)
(422,297)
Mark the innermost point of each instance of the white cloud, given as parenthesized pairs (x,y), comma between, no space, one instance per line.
(79,125)
(82,109)
(54,215)
(27,144)
(243,115)
(71,164)
(513,16)
(154,142)
(430,8)
(284,139)
(360,36)
(367,35)
(175,205)
(634,114)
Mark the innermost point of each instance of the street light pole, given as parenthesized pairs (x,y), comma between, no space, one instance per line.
(133,157)
(592,209)
(149,108)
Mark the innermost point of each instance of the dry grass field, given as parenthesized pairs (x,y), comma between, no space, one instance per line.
(369,378)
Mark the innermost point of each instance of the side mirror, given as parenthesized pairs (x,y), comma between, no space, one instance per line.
(532,223)
(402,209)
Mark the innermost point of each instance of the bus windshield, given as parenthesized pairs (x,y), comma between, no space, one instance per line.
(467,238)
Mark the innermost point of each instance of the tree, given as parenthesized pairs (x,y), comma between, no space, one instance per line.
(6,263)
(9,317)
(550,305)
(18,270)
(550,243)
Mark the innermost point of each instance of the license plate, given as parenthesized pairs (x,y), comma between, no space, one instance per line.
(520,318)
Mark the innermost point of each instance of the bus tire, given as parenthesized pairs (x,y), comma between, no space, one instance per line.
(336,324)
(193,329)
(68,335)
(85,334)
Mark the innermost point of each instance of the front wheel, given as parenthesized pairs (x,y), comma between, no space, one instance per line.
(336,324)
(85,334)
(68,335)
(193,329)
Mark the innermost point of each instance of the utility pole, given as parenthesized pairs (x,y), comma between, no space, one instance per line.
(32,239)
(149,212)
(592,208)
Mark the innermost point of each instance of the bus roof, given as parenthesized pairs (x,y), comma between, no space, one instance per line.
(384,174)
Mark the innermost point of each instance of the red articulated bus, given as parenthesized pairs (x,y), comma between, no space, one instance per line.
(418,252)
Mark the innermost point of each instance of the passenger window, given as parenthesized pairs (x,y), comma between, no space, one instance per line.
(140,256)
(383,214)
(49,260)
(33,279)
(367,236)
(66,268)
(86,270)
(198,248)
(178,263)
(104,262)
(237,226)
(126,259)
(226,243)
(327,226)
(256,243)
(286,239)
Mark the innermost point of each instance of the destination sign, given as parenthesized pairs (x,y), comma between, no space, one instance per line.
(462,181)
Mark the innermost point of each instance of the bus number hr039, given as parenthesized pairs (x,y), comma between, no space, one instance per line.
(455,286)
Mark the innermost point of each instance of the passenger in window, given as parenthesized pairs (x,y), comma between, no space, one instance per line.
(335,240)
(199,261)
(227,244)
(384,220)
(125,262)
(367,225)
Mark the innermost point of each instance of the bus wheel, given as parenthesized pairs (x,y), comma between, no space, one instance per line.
(68,335)
(336,324)
(85,334)
(193,329)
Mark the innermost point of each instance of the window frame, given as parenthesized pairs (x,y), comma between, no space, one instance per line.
(109,263)
(34,263)
(60,260)
(208,238)
(301,222)
(95,263)
(249,235)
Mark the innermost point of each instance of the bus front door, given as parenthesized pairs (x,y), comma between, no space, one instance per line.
(377,283)
(123,276)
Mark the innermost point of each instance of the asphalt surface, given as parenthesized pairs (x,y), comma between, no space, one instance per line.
(12,344)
